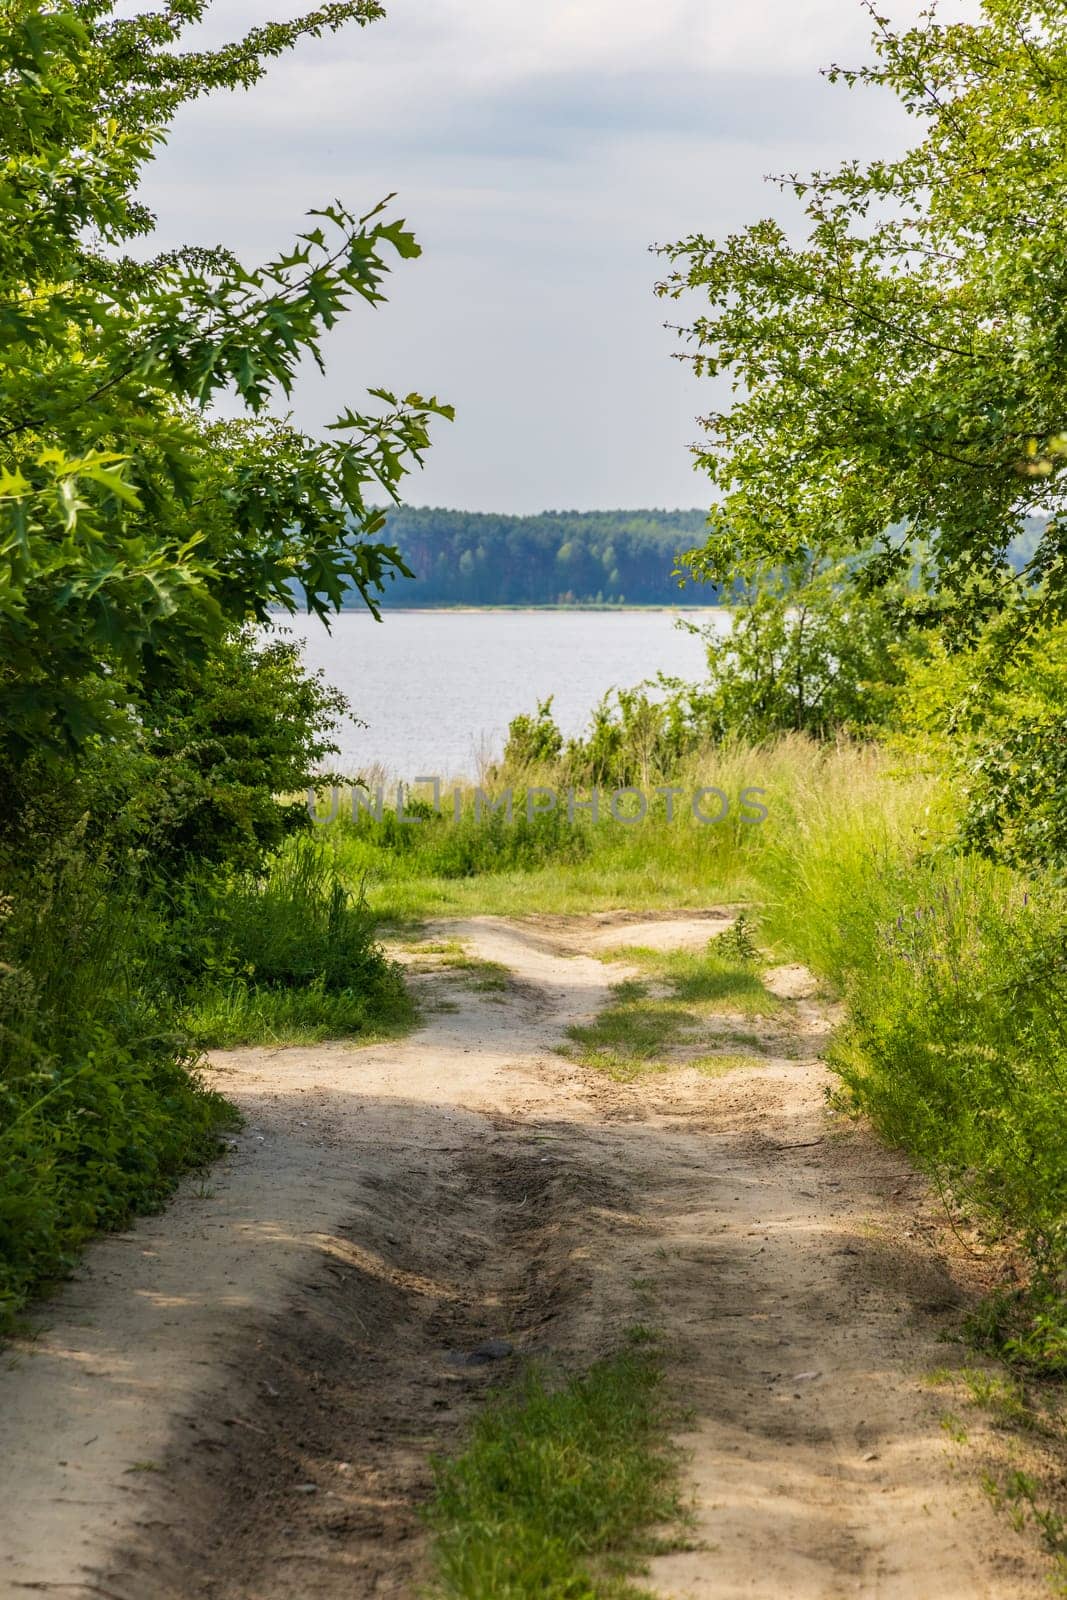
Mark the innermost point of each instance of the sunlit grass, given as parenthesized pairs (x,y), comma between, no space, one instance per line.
(438,867)
(224,1016)
(560,1488)
(562,890)
(671,1018)
(714,982)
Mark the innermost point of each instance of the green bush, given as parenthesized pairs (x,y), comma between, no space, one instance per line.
(100,1106)
(285,953)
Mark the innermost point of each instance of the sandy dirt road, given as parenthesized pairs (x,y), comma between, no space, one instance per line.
(238,1399)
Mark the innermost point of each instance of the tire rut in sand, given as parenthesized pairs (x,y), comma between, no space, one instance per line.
(305,1476)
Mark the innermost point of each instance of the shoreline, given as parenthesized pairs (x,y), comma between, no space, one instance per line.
(388,610)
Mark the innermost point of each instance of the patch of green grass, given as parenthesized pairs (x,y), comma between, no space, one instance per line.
(955,1042)
(630,989)
(559,1489)
(225,1016)
(637,1031)
(642,1032)
(487,976)
(557,888)
(715,981)
(720,1062)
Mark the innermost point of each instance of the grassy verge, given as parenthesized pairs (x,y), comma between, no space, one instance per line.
(101,1107)
(559,1489)
(956,1040)
(1021,1451)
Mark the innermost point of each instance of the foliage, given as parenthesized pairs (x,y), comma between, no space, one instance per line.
(806,653)
(100,1107)
(995,722)
(145,732)
(681,1024)
(632,734)
(135,530)
(298,924)
(952,969)
(555,558)
(532,741)
(556,1482)
(1013,764)
(217,743)
(901,369)
(480,840)
(290,955)
(738,941)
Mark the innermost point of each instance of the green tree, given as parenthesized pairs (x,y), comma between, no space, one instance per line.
(806,654)
(135,529)
(903,367)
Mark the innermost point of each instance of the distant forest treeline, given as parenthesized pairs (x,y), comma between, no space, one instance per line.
(469,558)
(477,558)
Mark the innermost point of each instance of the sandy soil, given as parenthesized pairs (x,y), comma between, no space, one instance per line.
(238,1399)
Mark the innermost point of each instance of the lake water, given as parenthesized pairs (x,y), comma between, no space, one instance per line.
(437,689)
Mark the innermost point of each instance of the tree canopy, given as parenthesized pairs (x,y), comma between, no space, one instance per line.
(904,366)
(135,526)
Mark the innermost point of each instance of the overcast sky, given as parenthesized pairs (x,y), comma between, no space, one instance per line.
(537,151)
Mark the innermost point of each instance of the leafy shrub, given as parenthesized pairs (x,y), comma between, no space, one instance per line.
(220,740)
(532,741)
(144,732)
(100,1107)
